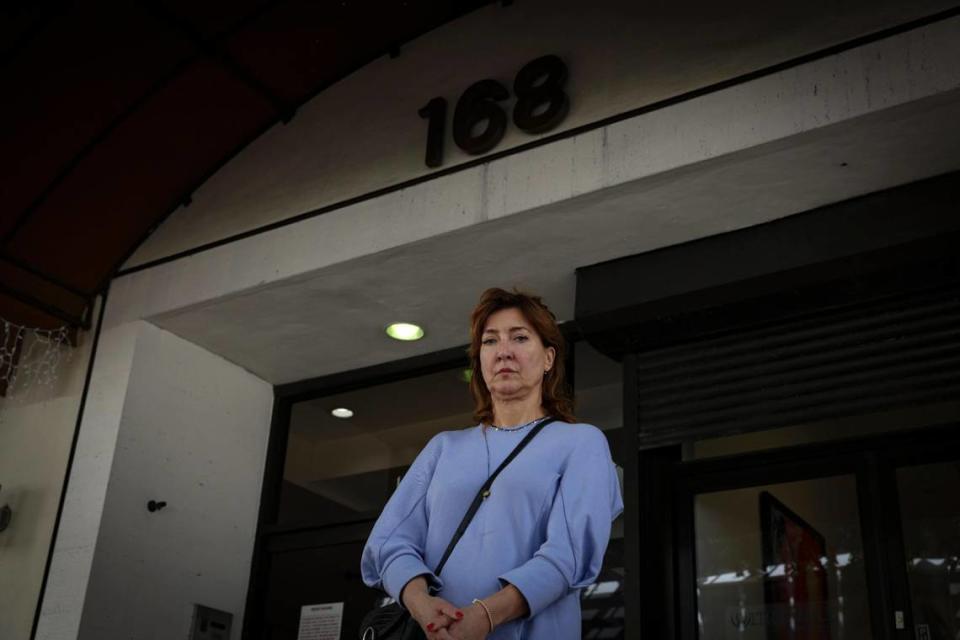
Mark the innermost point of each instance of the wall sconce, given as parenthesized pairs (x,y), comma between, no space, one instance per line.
(155,505)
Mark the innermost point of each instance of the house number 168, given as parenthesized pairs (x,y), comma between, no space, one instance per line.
(479,123)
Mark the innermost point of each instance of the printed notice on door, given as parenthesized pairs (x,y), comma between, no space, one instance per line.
(320,621)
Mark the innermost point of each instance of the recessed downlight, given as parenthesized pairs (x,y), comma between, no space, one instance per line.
(341,412)
(404,331)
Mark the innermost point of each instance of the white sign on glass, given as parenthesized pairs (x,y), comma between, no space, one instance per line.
(320,621)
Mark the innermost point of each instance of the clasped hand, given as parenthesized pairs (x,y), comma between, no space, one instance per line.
(440,620)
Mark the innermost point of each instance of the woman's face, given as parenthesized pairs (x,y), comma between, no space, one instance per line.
(512,356)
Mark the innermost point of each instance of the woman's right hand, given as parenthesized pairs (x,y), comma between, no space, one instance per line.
(430,612)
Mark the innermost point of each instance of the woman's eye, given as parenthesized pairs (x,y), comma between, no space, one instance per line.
(488,341)
(522,338)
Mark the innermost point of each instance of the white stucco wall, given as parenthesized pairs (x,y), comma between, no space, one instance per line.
(90,471)
(37,425)
(193,432)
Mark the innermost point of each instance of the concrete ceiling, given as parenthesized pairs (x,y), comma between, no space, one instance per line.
(332,320)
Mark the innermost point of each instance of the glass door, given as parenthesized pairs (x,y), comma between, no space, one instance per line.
(850,540)
(929,498)
(339,468)
(781,561)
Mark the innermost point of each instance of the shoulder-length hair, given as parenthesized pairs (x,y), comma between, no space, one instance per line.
(556,397)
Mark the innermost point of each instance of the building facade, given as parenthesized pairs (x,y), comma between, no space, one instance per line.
(744,217)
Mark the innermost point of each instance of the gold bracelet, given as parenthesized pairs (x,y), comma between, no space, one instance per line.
(486,610)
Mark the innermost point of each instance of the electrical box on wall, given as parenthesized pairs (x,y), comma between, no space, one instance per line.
(210,624)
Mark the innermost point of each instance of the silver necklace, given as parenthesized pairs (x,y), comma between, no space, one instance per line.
(517,428)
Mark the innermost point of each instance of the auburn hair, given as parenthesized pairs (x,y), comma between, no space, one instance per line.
(556,397)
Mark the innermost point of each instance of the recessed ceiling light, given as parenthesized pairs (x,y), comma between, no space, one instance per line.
(404,331)
(341,412)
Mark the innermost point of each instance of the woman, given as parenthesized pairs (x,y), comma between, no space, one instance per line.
(541,534)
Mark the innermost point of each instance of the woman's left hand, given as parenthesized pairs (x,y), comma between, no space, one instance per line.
(473,626)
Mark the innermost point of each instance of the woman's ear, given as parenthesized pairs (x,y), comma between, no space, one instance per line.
(548,359)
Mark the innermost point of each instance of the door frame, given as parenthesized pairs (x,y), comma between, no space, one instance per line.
(269,533)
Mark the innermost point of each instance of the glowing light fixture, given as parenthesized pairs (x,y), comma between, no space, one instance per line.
(342,412)
(404,331)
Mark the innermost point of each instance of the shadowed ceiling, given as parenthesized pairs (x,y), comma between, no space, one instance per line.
(115,112)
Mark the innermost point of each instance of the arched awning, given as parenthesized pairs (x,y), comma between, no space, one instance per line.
(114,113)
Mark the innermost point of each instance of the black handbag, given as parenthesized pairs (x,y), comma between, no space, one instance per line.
(393,622)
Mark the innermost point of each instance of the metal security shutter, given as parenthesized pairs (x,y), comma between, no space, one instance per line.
(846,360)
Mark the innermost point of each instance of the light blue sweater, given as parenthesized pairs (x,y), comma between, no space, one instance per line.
(544,528)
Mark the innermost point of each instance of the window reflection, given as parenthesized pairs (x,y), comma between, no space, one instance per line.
(931,531)
(781,561)
(342,470)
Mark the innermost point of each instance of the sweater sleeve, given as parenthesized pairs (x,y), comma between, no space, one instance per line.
(578,527)
(394,552)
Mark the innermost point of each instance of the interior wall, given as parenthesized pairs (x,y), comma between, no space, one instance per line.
(193,433)
(36,430)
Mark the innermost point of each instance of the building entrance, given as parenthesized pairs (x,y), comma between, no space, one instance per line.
(328,478)
(848,540)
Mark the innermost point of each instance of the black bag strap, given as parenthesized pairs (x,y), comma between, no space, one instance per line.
(484,493)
